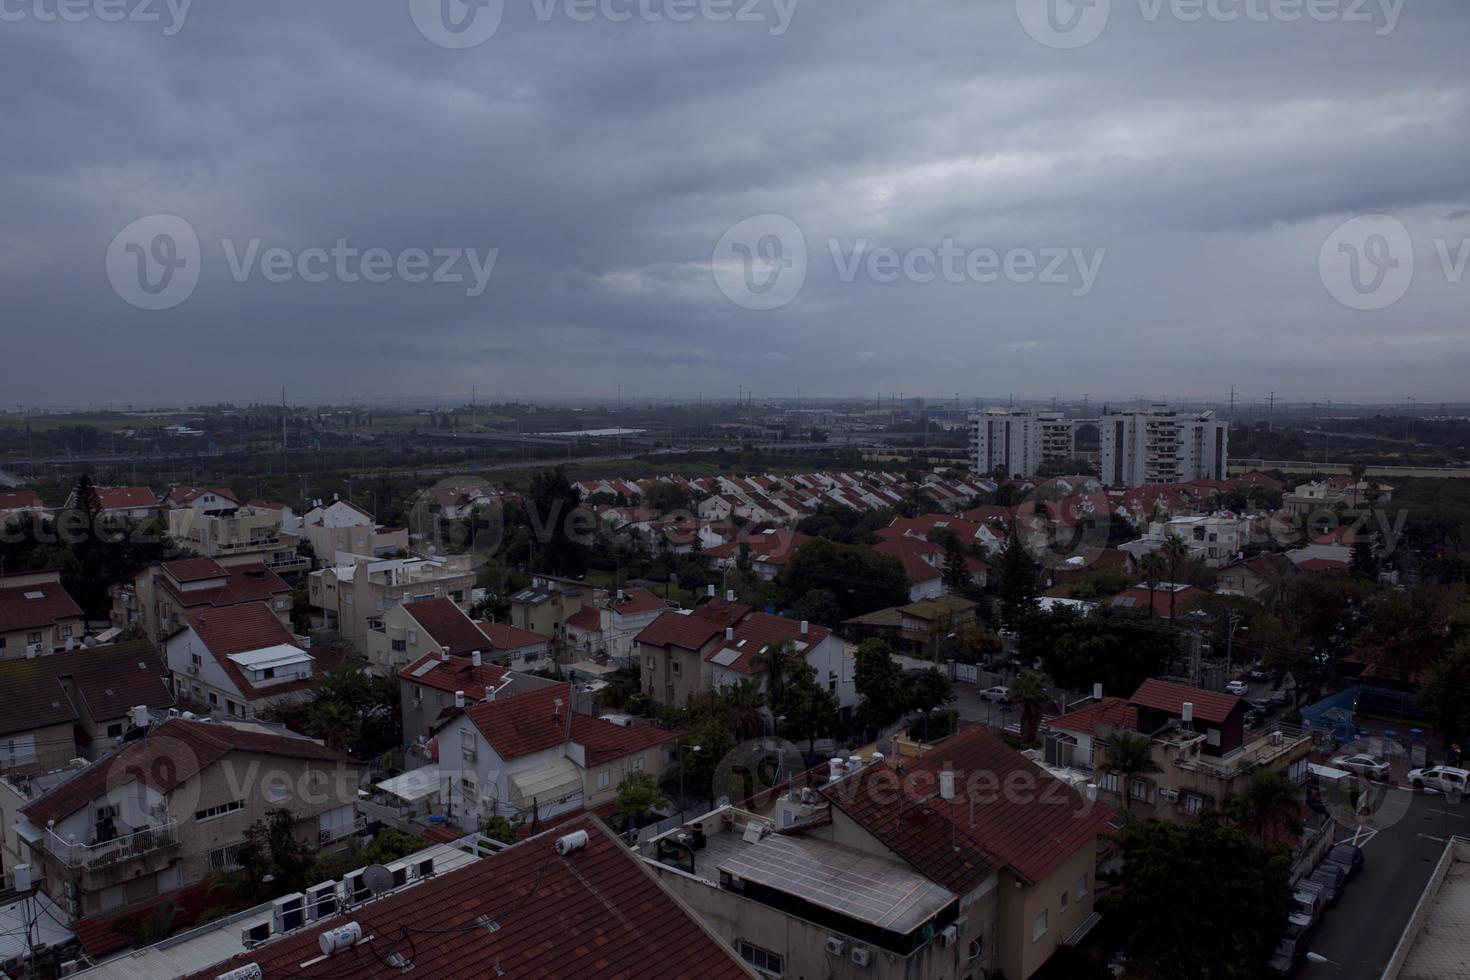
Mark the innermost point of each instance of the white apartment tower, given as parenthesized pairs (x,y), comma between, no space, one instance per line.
(1158,445)
(1019,441)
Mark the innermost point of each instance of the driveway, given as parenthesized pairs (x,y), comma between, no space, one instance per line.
(1361,933)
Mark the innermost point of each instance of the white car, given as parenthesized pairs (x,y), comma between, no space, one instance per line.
(1364,765)
(1238,688)
(998,694)
(1445,779)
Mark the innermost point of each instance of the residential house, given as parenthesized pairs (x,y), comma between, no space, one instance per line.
(546,604)
(1167,598)
(1214,539)
(598,912)
(672,649)
(408,632)
(428,688)
(37,616)
(353,597)
(750,645)
(234,534)
(521,649)
(165,809)
(1337,493)
(768,551)
(609,628)
(205,500)
(18,504)
(238,660)
(1199,744)
(533,756)
(923,564)
(1256,578)
(132,503)
(160,596)
(1017,847)
(344,528)
(76,705)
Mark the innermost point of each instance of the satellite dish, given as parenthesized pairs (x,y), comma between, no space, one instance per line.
(377,878)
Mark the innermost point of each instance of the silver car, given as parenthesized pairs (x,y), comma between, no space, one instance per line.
(1364,765)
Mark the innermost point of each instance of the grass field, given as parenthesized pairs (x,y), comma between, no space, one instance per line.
(106,422)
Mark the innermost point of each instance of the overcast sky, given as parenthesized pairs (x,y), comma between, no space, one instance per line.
(1184,180)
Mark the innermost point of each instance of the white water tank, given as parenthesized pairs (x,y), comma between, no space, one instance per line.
(834,769)
(459,699)
(574,841)
(946,784)
(345,936)
(475,658)
(1187,712)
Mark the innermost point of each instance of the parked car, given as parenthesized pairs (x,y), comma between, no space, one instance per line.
(1290,950)
(1000,695)
(1261,706)
(1238,688)
(1306,909)
(1364,765)
(1280,698)
(1443,779)
(1333,877)
(1348,857)
(1325,888)
(1258,673)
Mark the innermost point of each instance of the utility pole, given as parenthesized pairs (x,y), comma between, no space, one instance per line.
(1232,403)
(474,410)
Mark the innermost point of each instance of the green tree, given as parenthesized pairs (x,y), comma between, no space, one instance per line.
(638,797)
(862,579)
(1175,553)
(957,579)
(1364,560)
(553,506)
(1177,877)
(879,682)
(744,701)
(1116,649)
(808,707)
(1019,576)
(335,723)
(1152,567)
(505,829)
(1442,693)
(271,847)
(1028,691)
(819,606)
(1270,805)
(1128,755)
(927,690)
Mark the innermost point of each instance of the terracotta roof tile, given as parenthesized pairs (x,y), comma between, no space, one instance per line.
(447,625)
(240,629)
(759,632)
(1168,697)
(504,637)
(595,913)
(692,630)
(1110,712)
(456,674)
(28,607)
(251,582)
(533,721)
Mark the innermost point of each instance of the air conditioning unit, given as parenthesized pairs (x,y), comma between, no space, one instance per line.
(69,967)
(1166,793)
(354,888)
(418,703)
(400,874)
(289,912)
(255,934)
(862,957)
(193,668)
(949,936)
(836,945)
(425,868)
(321,901)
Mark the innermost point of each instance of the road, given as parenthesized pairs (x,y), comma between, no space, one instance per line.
(1361,933)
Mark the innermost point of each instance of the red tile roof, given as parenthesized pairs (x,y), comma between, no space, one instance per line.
(911,553)
(595,913)
(636,601)
(504,637)
(187,570)
(184,494)
(533,721)
(108,681)
(1023,817)
(447,625)
(168,756)
(692,630)
(251,582)
(1323,565)
(456,674)
(1168,697)
(28,607)
(1142,595)
(760,632)
(126,498)
(1110,712)
(588,619)
(775,547)
(21,500)
(239,629)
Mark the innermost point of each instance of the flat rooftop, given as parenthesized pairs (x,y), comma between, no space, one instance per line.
(1436,944)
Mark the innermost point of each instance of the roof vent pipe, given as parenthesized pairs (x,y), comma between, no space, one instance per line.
(729,633)
(710,591)
(806,627)
(1187,713)
(475,658)
(1097,692)
(946,784)
(729,595)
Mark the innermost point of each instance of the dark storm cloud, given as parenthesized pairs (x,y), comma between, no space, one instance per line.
(1206,161)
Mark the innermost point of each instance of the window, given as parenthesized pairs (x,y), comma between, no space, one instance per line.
(603,779)
(467,744)
(234,708)
(399,646)
(114,730)
(280,604)
(1194,804)
(413,637)
(107,812)
(1038,926)
(268,673)
(1138,789)
(1108,782)
(195,659)
(467,786)
(765,962)
(418,693)
(675,666)
(1081,887)
(33,638)
(66,632)
(214,699)
(1064,901)
(225,858)
(638,764)
(650,659)
(219,810)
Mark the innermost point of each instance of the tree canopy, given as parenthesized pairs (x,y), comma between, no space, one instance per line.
(862,580)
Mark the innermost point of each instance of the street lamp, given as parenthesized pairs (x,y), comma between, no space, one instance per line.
(1235,619)
(1319,958)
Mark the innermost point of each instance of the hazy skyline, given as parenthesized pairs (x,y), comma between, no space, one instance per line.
(1182,180)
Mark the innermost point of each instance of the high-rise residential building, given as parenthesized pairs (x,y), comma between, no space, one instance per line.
(1159,445)
(1019,441)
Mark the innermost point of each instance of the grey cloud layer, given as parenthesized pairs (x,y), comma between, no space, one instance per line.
(605,160)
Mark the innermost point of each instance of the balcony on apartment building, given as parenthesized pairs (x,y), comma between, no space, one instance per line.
(1258,753)
(110,858)
(328,835)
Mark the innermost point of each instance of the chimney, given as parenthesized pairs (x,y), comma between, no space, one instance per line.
(1097,692)
(459,699)
(729,595)
(475,658)
(710,592)
(729,633)
(1187,714)
(805,627)
(946,784)
(489,693)
(444,654)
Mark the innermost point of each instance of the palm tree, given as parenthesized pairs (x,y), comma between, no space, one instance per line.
(1152,566)
(744,701)
(1028,692)
(1268,800)
(1128,755)
(1174,551)
(1357,469)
